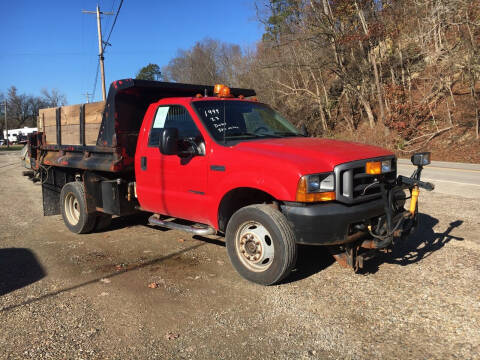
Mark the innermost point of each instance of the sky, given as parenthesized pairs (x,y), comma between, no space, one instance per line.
(51,44)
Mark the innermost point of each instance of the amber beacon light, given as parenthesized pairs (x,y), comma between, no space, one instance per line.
(217,88)
(222,90)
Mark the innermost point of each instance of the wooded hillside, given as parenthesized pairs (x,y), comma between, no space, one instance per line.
(360,70)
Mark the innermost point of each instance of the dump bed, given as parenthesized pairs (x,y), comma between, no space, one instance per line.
(102,136)
(78,124)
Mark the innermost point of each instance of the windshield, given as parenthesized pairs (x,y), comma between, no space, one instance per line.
(238,120)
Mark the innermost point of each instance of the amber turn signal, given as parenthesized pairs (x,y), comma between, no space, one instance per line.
(373,168)
(304,196)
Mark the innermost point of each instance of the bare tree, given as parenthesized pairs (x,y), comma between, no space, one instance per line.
(53,98)
(207,62)
(335,64)
(22,109)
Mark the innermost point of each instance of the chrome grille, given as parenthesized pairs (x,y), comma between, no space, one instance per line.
(353,185)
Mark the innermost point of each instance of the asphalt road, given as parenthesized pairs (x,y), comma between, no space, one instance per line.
(449,178)
(69,296)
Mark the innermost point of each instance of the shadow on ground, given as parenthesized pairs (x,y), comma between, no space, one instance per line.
(313,259)
(310,260)
(421,244)
(18,268)
(127,221)
(96,279)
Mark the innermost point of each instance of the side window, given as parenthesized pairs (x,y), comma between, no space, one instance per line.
(158,124)
(174,116)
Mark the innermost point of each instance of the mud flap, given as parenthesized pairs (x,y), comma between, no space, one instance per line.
(92,191)
(51,200)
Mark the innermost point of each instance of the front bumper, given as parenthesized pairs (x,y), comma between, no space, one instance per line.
(328,223)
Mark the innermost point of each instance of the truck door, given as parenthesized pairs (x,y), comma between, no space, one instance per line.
(173,185)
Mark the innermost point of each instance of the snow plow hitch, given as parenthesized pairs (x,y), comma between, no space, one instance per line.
(381,233)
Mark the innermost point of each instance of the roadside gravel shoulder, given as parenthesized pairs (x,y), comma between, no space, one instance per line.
(93,300)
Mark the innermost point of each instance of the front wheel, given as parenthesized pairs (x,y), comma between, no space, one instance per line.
(261,244)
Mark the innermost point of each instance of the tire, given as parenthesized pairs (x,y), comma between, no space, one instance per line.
(103,221)
(261,244)
(74,209)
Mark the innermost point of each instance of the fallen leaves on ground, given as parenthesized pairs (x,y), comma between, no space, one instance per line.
(119,267)
(153,285)
(171,336)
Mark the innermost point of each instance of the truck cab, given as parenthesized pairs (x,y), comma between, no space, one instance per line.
(224,163)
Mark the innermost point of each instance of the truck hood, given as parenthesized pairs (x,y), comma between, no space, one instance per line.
(310,155)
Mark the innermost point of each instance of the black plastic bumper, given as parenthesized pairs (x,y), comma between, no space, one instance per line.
(328,224)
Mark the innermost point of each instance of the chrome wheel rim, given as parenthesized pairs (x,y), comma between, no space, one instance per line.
(254,246)
(72,209)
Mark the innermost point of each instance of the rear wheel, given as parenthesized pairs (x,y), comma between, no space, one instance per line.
(261,244)
(74,209)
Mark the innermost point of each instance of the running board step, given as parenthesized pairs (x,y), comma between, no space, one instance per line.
(153,220)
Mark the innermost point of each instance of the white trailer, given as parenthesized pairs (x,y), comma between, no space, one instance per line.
(13,134)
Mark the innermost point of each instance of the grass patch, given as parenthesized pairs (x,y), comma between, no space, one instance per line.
(11,148)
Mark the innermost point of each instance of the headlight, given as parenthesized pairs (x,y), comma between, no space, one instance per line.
(320,182)
(318,187)
(386,166)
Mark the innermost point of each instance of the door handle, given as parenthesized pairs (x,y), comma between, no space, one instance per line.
(143,163)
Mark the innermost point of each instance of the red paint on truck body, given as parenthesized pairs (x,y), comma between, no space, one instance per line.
(192,190)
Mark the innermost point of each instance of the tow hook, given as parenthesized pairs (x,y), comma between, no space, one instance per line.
(355,255)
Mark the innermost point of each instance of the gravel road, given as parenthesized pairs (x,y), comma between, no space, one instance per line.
(67,296)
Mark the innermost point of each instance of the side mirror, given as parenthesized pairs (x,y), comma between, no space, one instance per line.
(421,159)
(169,141)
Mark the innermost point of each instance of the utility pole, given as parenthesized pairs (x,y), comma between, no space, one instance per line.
(6,124)
(87,95)
(100,45)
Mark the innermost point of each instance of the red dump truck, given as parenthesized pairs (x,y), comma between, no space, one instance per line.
(213,160)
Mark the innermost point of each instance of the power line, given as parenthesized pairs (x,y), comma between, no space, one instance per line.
(108,21)
(103,47)
(113,25)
